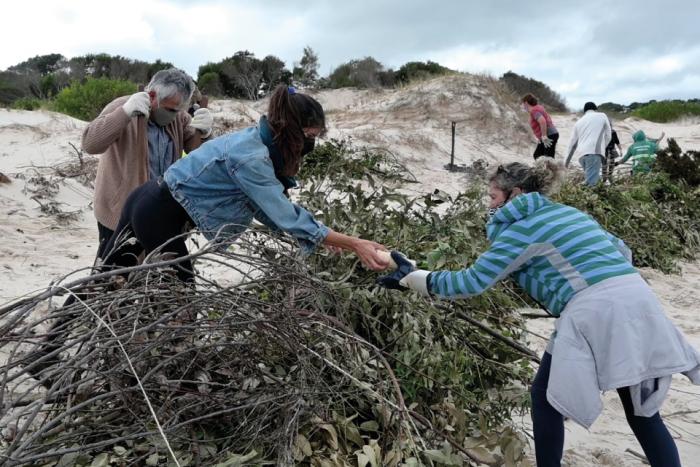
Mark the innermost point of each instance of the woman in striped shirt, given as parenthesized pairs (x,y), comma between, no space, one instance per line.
(611,333)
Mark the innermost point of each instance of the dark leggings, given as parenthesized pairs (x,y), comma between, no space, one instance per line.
(548,426)
(104,233)
(540,150)
(153,217)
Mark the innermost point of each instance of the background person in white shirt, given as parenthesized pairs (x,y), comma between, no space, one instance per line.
(591,135)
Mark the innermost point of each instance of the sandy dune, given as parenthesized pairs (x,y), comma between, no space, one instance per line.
(413,123)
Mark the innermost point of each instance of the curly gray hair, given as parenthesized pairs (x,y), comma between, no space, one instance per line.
(544,177)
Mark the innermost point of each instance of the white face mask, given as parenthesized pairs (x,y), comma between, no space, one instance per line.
(492,211)
(525,109)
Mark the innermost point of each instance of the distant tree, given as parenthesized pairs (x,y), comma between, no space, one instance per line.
(245,74)
(387,78)
(367,72)
(305,73)
(611,107)
(274,73)
(521,85)
(12,87)
(209,83)
(219,87)
(363,73)
(156,66)
(42,64)
(48,85)
(38,75)
(419,70)
(44,76)
(100,65)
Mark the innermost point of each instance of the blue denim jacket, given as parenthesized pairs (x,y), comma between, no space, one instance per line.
(230,180)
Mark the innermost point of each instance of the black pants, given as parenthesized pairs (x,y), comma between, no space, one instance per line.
(609,163)
(548,426)
(104,233)
(153,218)
(540,150)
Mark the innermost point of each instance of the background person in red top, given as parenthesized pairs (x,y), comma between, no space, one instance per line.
(542,126)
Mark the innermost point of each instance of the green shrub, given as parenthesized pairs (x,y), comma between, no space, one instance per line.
(667,111)
(678,166)
(27,103)
(657,217)
(435,353)
(420,70)
(359,73)
(521,85)
(86,100)
(209,83)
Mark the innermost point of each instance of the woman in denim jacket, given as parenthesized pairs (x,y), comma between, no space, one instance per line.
(221,186)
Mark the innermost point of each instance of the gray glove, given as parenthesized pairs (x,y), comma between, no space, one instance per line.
(138,104)
(203,121)
(546,142)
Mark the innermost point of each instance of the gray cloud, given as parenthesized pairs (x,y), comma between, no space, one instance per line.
(597,50)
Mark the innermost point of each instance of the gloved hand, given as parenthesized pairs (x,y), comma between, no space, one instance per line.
(138,104)
(203,121)
(546,142)
(403,268)
(406,276)
(417,281)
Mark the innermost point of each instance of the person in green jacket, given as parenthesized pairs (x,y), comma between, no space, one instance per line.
(642,152)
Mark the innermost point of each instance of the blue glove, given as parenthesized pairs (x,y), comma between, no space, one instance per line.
(404,267)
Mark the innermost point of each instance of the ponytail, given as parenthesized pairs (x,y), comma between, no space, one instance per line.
(289,112)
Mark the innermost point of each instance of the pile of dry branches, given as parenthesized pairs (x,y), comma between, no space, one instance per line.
(177,371)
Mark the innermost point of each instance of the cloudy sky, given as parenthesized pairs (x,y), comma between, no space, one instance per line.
(620,51)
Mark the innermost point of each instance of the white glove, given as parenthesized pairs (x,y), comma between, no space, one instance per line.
(417,280)
(203,121)
(138,104)
(546,141)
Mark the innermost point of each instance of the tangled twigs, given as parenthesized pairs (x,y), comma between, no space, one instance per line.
(235,367)
(506,340)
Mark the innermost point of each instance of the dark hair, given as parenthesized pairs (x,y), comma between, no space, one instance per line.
(530,99)
(289,112)
(589,106)
(543,177)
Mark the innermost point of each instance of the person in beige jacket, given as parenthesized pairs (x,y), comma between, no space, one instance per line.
(138,137)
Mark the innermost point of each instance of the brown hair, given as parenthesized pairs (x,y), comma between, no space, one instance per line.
(288,113)
(530,99)
(544,177)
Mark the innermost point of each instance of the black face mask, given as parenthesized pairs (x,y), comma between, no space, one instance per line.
(309,144)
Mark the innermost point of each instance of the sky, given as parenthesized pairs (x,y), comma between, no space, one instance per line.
(594,50)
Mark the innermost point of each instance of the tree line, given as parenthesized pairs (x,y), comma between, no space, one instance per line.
(242,75)
(44,76)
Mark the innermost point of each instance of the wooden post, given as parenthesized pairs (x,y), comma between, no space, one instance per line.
(452,153)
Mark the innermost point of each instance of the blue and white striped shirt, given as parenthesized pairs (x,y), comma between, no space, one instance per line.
(552,250)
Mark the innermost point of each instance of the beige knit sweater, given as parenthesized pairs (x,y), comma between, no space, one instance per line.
(123,144)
